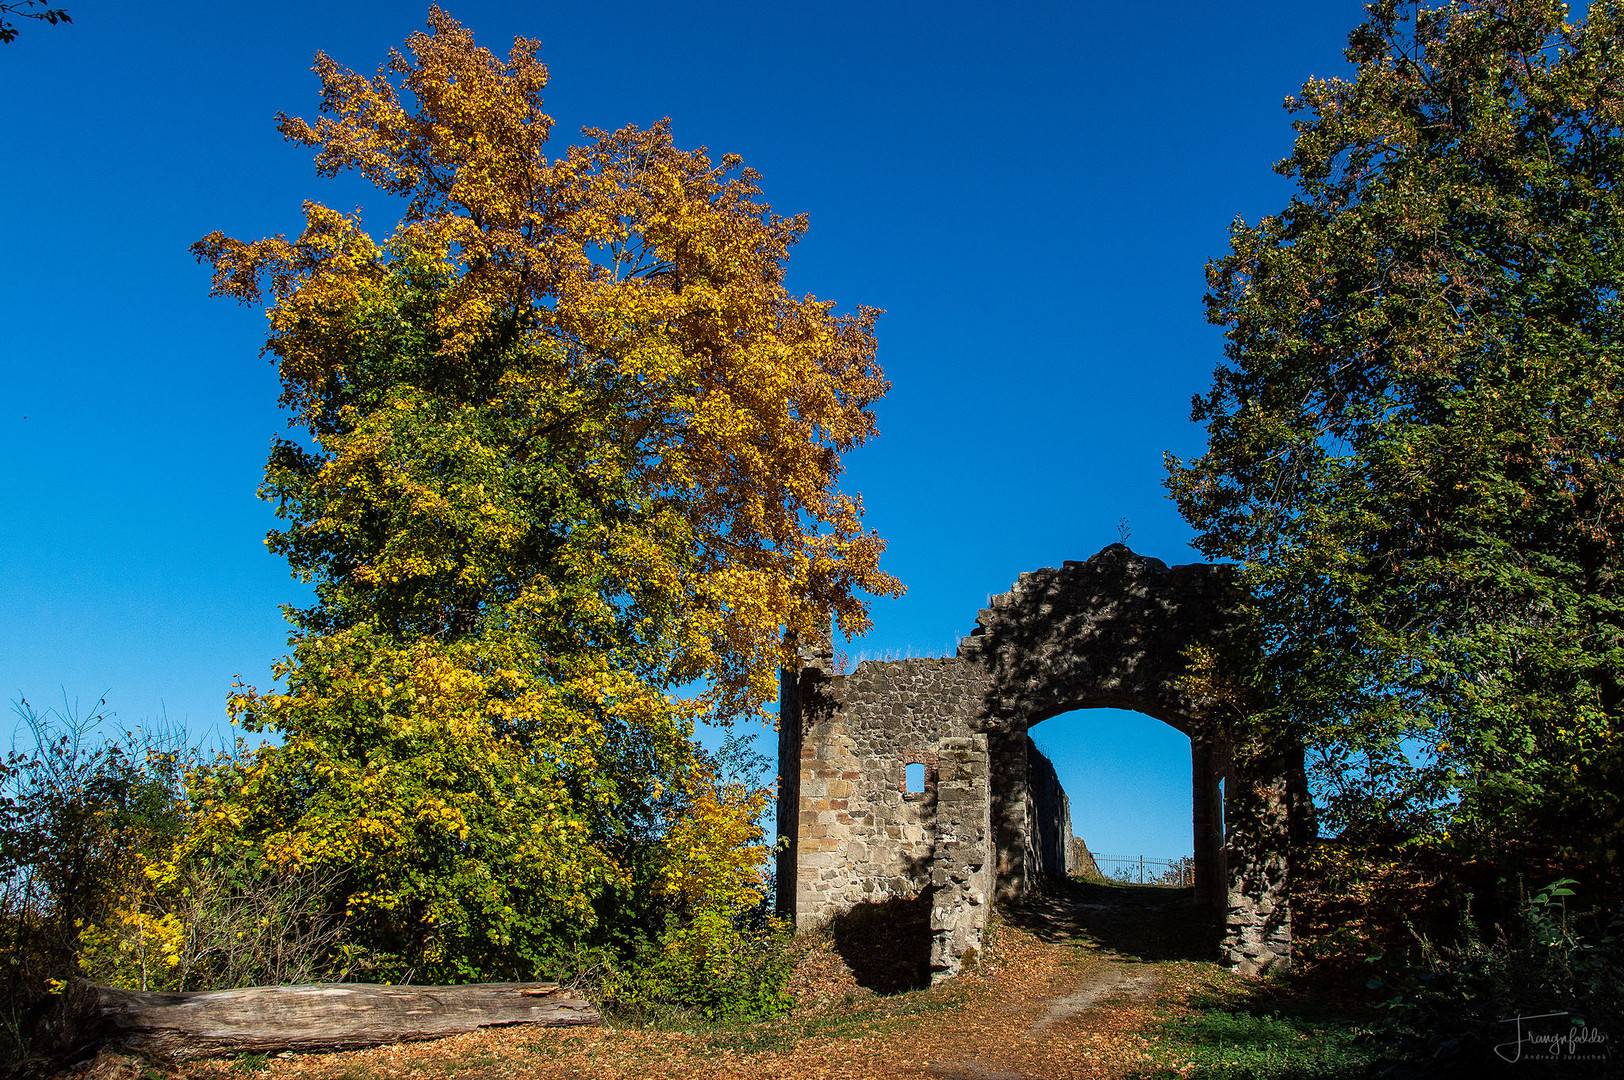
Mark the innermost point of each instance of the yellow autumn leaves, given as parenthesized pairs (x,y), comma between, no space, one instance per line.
(564,471)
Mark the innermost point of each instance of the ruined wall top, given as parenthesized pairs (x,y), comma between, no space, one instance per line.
(817,652)
(1111,632)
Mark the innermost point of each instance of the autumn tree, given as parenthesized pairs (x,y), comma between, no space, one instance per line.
(563,448)
(1414,443)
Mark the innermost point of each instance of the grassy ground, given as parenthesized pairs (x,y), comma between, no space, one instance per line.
(1089,981)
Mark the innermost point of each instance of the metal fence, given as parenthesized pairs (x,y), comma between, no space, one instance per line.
(1138,870)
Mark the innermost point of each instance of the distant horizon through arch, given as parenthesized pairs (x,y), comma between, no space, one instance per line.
(1084,743)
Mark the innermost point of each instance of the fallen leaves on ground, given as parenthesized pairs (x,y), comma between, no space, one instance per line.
(1007,1022)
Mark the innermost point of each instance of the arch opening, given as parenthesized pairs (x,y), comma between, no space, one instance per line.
(1189,809)
(1126,776)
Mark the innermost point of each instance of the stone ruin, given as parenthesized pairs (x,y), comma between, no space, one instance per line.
(991,821)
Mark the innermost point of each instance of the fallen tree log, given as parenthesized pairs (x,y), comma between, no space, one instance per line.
(261,1019)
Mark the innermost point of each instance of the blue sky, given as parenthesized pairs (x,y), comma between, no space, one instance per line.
(1030,193)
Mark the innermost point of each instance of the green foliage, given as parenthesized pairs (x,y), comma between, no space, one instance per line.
(1223,1045)
(452,853)
(1414,443)
(1261,1035)
(1447,1014)
(81,813)
(715,966)
(248,1064)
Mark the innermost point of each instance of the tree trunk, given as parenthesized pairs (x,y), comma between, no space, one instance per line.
(259,1019)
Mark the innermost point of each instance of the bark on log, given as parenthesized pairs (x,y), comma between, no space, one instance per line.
(260,1019)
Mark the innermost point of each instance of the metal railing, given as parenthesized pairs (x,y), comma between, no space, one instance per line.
(1138,870)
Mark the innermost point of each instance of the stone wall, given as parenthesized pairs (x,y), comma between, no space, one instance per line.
(1049,810)
(861,836)
(1110,632)
(1083,860)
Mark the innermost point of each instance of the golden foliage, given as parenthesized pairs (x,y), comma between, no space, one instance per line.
(567,448)
(717,855)
(635,292)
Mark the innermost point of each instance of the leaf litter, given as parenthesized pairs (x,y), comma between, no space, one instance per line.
(1045,1005)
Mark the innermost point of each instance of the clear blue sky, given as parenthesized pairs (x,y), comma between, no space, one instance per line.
(1030,192)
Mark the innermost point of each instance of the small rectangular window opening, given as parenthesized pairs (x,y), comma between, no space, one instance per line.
(914,777)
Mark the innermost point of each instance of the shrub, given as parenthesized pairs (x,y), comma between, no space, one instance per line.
(719,957)
(212,924)
(452,853)
(80,814)
(714,966)
(1449,1014)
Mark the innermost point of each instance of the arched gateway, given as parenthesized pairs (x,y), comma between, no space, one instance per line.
(1116,631)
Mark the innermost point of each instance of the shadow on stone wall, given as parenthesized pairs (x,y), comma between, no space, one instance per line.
(1110,632)
(886,943)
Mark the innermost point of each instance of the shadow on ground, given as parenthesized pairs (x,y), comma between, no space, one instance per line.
(1140,922)
(886,944)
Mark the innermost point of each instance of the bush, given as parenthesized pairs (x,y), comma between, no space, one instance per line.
(91,818)
(1452,1013)
(451,853)
(212,924)
(717,966)
(80,815)
(720,957)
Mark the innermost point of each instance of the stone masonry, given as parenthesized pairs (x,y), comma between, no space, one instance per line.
(1049,811)
(859,835)
(992,820)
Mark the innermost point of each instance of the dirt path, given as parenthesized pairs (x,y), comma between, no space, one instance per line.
(1107,949)
(1077,983)
(1108,981)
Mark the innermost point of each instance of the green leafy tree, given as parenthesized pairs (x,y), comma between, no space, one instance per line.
(564,446)
(1414,443)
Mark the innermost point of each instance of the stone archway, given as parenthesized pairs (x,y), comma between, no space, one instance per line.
(1115,631)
